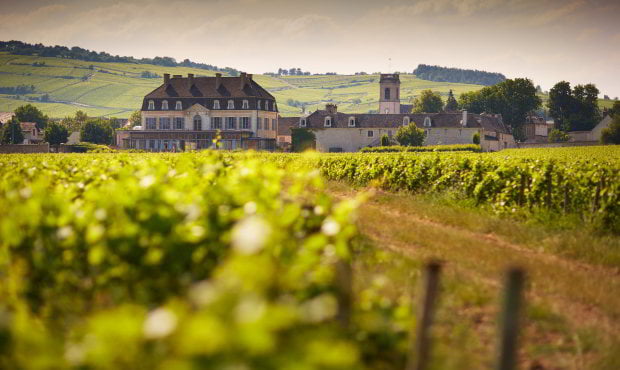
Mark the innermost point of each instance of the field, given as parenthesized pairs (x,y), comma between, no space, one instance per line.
(248,260)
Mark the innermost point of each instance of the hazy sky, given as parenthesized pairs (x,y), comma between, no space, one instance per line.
(545,40)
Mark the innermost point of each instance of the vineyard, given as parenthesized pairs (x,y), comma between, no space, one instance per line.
(245,260)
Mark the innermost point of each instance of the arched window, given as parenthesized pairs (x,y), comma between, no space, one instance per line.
(164,105)
(427,122)
(406,121)
(231,104)
(216,104)
(197,123)
(178,105)
(351,121)
(266,104)
(328,122)
(151,105)
(386,93)
(245,105)
(258,104)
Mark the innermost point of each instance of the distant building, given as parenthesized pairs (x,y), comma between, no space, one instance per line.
(389,95)
(350,132)
(188,113)
(593,135)
(5,117)
(536,128)
(32,135)
(285,125)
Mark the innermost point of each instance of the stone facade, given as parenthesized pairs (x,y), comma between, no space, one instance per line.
(389,94)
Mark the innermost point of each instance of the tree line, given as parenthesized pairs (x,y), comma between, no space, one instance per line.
(78,53)
(457,75)
(19,89)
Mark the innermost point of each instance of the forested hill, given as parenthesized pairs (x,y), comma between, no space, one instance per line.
(78,53)
(457,75)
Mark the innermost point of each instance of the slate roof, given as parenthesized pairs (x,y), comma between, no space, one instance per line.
(185,87)
(285,124)
(316,120)
(406,108)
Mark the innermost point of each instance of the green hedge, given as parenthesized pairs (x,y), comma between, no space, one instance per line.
(430,148)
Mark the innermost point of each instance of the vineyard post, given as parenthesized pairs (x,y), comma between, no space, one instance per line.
(420,347)
(344,283)
(509,320)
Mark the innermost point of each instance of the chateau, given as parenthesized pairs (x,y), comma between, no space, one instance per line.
(349,132)
(187,113)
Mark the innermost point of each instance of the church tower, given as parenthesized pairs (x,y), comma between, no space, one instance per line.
(389,94)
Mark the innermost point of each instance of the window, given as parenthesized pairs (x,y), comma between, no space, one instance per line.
(371,133)
(328,122)
(151,105)
(216,123)
(273,124)
(258,105)
(302,122)
(245,123)
(164,123)
(427,121)
(179,123)
(259,123)
(274,106)
(386,93)
(245,105)
(216,104)
(231,123)
(179,105)
(151,123)
(197,123)
(266,104)
(231,104)
(164,105)
(351,121)
(406,121)
(389,133)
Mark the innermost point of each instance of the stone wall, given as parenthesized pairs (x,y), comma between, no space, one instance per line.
(24,148)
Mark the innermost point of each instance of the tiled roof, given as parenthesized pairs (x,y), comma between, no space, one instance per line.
(438,120)
(285,124)
(406,108)
(6,117)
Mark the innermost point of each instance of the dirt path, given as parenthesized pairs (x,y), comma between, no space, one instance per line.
(585,295)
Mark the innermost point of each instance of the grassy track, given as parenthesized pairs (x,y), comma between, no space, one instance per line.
(572,319)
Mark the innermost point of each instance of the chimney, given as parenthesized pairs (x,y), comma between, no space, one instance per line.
(464,120)
(243,79)
(166,78)
(250,77)
(331,108)
(190,76)
(218,81)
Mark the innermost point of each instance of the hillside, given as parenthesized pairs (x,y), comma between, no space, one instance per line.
(117,89)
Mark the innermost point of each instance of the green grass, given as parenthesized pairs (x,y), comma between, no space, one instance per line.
(116,89)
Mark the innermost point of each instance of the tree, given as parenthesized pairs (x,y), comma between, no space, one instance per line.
(302,139)
(12,132)
(615,109)
(56,133)
(476,138)
(611,134)
(451,104)
(576,109)
(558,136)
(97,131)
(135,119)
(410,135)
(385,140)
(30,113)
(428,102)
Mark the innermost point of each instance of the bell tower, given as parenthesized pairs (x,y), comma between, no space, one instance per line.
(389,94)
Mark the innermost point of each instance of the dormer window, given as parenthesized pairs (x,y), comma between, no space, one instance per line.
(266,104)
(231,104)
(245,105)
(351,121)
(164,105)
(406,121)
(274,107)
(178,105)
(151,105)
(216,104)
(328,122)
(427,122)
(302,122)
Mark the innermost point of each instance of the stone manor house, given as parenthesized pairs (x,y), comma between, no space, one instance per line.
(349,132)
(187,113)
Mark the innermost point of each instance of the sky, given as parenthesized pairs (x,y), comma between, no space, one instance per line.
(546,41)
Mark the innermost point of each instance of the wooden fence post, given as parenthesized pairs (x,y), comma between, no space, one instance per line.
(509,320)
(344,278)
(421,345)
